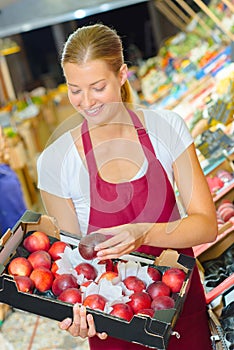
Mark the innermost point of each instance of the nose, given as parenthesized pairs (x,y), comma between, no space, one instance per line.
(87,100)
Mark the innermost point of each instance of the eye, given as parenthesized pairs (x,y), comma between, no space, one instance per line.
(99,89)
(75,92)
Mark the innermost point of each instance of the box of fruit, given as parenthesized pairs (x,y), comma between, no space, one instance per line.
(136,298)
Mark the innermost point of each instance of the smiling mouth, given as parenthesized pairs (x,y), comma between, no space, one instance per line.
(93,111)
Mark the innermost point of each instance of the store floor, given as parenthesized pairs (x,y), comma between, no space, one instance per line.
(24,331)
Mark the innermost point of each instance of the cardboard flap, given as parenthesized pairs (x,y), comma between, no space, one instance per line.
(169,257)
(5,238)
(47,224)
(10,246)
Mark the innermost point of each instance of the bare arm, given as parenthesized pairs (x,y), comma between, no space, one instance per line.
(199,226)
(63,210)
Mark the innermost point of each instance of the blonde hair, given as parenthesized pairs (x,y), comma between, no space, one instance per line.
(95,42)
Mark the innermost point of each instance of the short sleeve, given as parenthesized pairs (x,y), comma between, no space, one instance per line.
(168,130)
(51,167)
(180,137)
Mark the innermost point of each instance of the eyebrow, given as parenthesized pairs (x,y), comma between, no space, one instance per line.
(96,82)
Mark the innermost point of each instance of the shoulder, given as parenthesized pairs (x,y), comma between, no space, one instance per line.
(162,118)
(168,129)
(165,122)
(56,151)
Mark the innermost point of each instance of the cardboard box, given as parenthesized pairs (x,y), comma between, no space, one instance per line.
(151,332)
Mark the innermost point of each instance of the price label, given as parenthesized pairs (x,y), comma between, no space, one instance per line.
(212,144)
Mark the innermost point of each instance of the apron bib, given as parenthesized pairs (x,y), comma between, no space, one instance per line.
(149,198)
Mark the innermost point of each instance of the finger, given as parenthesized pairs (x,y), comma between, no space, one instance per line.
(111,242)
(76,314)
(91,324)
(79,325)
(92,329)
(110,230)
(83,319)
(102,335)
(65,324)
(115,252)
(106,256)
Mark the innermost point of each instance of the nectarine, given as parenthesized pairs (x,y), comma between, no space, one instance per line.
(87,244)
(36,241)
(123,311)
(174,278)
(20,266)
(40,258)
(42,278)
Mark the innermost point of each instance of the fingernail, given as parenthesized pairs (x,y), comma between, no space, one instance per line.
(82,308)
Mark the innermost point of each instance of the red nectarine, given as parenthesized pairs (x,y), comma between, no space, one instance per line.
(109,275)
(87,244)
(158,288)
(57,248)
(148,312)
(86,269)
(140,300)
(154,273)
(20,266)
(123,311)
(24,284)
(71,295)
(162,302)
(62,282)
(95,301)
(40,258)
(42,278)
(36,241)
(134,283)
(174,278)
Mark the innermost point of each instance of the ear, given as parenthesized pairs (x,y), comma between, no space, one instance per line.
(123,73)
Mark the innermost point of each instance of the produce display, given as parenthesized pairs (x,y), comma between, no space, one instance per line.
(219,180)
(135,288)
(137,298)
(188,56)
(225,212)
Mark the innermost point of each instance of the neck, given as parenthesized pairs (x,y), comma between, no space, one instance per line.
(117,126)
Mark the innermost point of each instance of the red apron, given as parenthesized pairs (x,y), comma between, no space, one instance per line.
(150,198)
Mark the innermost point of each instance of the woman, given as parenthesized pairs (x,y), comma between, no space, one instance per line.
(115,173)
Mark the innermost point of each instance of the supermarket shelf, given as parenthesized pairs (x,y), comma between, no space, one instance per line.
(220,289)
(9,51)
(210,165)
(226,189)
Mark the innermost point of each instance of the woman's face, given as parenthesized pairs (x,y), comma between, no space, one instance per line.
(93,86)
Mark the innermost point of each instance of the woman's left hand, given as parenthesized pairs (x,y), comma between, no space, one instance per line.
(82,324)
(126,239)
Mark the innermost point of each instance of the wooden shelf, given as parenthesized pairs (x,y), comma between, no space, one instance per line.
(226,191)
(223,233)
(9,51)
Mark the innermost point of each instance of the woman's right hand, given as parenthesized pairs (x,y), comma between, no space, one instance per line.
(82,325)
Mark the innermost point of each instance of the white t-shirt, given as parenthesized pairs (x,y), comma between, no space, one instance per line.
(61,171)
